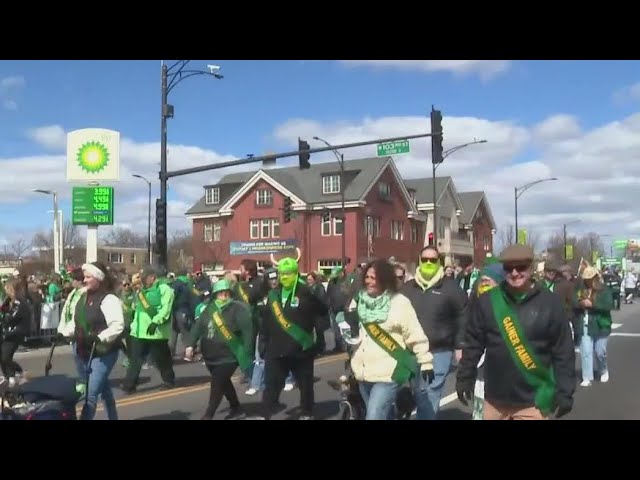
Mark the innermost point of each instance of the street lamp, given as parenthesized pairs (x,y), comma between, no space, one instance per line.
(148,219)
(564,236)
(57,249)
(517,191)
(445,154)
(171,76)
(340,158)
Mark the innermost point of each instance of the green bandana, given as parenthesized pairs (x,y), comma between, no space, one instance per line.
(373,310)
(428,270)
(221,304)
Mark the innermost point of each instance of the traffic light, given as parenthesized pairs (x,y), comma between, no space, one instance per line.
(326,215)
(287,209)
(436,138)
(304,155)
(431,239)
(161,219)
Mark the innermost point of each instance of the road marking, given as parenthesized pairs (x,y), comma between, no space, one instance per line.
(620,334)
(452,397)
(149,397)
(616,325)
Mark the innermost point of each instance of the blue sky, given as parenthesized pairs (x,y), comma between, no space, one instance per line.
(577,120)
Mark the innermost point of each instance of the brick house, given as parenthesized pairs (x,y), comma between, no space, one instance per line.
(477,218)
(241,216)
(123,259)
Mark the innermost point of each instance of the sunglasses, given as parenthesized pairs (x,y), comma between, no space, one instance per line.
(521,267)
(430,260)
(400,277)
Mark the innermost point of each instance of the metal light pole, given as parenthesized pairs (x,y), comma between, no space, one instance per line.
(57,256)
(148,219)
(435,166)
(340,158)
(170,77)
(518,191)
(564,237)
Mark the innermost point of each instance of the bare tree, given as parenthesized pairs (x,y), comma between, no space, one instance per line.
(181,250)
(124,237)
(583,247)
(19,247)
(506,236)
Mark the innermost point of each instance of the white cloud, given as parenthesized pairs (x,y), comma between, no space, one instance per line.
(485,69)
(630,93)
(52,137)
(597,170)
(9,86)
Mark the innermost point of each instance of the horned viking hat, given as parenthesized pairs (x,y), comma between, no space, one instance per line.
(287,264)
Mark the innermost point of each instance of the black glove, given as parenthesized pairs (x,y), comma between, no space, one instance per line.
(427,376)
(563,408)
(152,328)
(465,394)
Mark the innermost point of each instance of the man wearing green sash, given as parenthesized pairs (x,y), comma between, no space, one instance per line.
(529,360)
(150,330)
(225,332)
(287,341)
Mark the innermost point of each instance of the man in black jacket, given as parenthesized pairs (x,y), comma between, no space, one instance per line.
(529,361)
(441,307)
(287,341)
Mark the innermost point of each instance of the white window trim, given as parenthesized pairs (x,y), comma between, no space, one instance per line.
(328,182)
(268,195)
(210,196)
(251,225)
(322,224)
(208,232)
(274,222)
(333,225)
(265,222)
(217,232)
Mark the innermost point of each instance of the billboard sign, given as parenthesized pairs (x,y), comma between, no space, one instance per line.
(93,155)
(262,248)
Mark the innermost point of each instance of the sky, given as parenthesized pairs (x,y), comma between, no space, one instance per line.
(578,121)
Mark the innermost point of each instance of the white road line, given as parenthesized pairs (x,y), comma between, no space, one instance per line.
(615,325)
(452,397)
(620,334)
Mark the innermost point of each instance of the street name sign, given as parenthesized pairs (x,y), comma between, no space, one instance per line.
(393,148)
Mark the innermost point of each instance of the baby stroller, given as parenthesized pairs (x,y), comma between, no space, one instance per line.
(52,397)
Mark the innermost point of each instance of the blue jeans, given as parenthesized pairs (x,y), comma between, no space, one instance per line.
(428,396)
(98,385)
(379,399)
(257,375)
(589,345)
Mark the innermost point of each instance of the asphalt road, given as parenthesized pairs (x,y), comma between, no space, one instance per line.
(616,400)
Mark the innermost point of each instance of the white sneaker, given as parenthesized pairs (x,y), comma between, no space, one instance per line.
(251,392)
(585,383)
(288,387)
(604,378)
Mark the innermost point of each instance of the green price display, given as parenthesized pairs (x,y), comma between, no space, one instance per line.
(92,206)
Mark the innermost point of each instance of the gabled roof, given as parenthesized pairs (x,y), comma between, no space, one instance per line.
(306,185)
(424,189)
(471,202)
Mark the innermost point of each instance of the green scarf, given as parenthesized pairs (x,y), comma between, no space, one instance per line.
(427,284)
(373,309)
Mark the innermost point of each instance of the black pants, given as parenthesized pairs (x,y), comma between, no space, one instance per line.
(7,351)
(160,356)
(276,372)
(179,326)
(221,386)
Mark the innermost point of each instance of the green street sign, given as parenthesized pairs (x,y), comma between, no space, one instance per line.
(620,244)
(393,148)
(92,206)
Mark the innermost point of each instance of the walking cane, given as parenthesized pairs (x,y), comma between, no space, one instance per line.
(48,366)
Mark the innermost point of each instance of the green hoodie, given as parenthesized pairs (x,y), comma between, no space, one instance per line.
(160,297)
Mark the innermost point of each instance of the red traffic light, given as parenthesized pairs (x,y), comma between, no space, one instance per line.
(430,238)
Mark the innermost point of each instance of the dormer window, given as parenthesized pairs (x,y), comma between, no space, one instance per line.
(212,196)
(384,190)
(330,184)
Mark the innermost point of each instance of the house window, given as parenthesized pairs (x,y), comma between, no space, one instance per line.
(264,228)
(397,230)
(442,227)
(217,232)
(325,266)
(486,243)
(337,226)
(133,259)
(212,196)
(414,233)
(326,227)
(372,226)
(115,257)
(208,233)
(254,229)
(384,190)
(264,197)
(330,184)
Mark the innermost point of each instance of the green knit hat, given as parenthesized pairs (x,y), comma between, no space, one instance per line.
(221,286)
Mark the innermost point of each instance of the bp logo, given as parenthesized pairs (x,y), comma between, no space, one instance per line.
(93,157)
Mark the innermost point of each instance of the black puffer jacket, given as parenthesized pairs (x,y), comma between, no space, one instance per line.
(544,323)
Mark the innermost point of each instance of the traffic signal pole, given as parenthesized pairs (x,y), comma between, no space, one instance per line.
(302,154)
